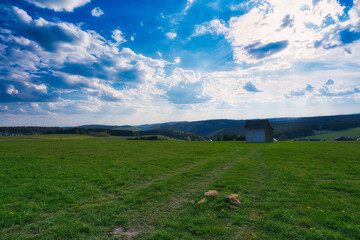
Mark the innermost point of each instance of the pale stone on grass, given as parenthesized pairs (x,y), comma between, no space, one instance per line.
(211,193)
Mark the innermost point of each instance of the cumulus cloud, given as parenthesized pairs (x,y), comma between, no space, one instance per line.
(338,93)
(187,93)
(184,87)
(287,30)
(177,60)
(171,35)
(63,58)
(11,91)
(97,12)
(59,6)
(49,35)
(117,35)
(215,26)
(49,65)
(299,92)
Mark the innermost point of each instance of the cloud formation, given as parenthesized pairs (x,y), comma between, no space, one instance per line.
(273,30)
(299,92)
(257,58)
(59,5)
(48,35)
(97,12)
(171,35)
(63,58)
(326,92)
(187,93)
(12,91)
(117,35)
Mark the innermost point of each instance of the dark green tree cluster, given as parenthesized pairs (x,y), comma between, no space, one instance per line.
(146,138)
(100,132)
(232,137)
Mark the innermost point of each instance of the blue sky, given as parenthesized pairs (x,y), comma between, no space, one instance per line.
(73,62)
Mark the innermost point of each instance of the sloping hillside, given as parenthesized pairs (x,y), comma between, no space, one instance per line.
(203,128)
(290,127)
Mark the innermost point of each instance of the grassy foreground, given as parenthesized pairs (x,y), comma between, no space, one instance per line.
(102,188)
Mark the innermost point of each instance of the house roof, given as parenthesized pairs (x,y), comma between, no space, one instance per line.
(257,124)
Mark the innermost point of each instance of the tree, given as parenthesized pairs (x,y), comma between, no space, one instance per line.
(283,137)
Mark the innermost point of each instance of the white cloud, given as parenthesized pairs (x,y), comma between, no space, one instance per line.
(215,26)
(277,29)
(72,59)
(97,12)
(117,35)
(59,5)
(22,15)
(171,35)
(126,85)
(12,90)
(189,3)
(354,13)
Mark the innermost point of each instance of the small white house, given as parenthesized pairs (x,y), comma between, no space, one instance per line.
(258,131)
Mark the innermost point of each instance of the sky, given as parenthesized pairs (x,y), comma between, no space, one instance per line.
(131,62)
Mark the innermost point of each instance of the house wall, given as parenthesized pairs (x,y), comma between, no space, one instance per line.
(269,135)
(255,135)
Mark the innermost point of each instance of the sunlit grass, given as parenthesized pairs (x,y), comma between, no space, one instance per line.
(89,188)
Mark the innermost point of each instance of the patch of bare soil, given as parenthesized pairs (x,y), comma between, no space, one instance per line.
(121,233)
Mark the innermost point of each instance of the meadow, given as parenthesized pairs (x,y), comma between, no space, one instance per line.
(80,187)
(330,135)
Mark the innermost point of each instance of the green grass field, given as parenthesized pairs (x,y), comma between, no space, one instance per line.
(76,187)
(330,135)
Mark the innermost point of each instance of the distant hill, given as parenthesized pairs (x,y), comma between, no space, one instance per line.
(96,126)
(155,125)
(203,128)
(290,127)
(287,128)
(354,133)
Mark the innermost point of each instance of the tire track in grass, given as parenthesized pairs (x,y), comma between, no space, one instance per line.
(149,206)
(253,209)
(134,187)
(216,218)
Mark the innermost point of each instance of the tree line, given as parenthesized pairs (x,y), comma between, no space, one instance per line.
(100,132)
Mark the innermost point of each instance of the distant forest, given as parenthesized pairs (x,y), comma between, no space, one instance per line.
(221,130)
(286,127)
(97,132)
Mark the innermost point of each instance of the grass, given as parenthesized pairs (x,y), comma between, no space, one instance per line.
(101,188)
(330,135)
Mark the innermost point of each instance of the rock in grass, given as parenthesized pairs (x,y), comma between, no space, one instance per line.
(201,201)
(211,193)
(232,199)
